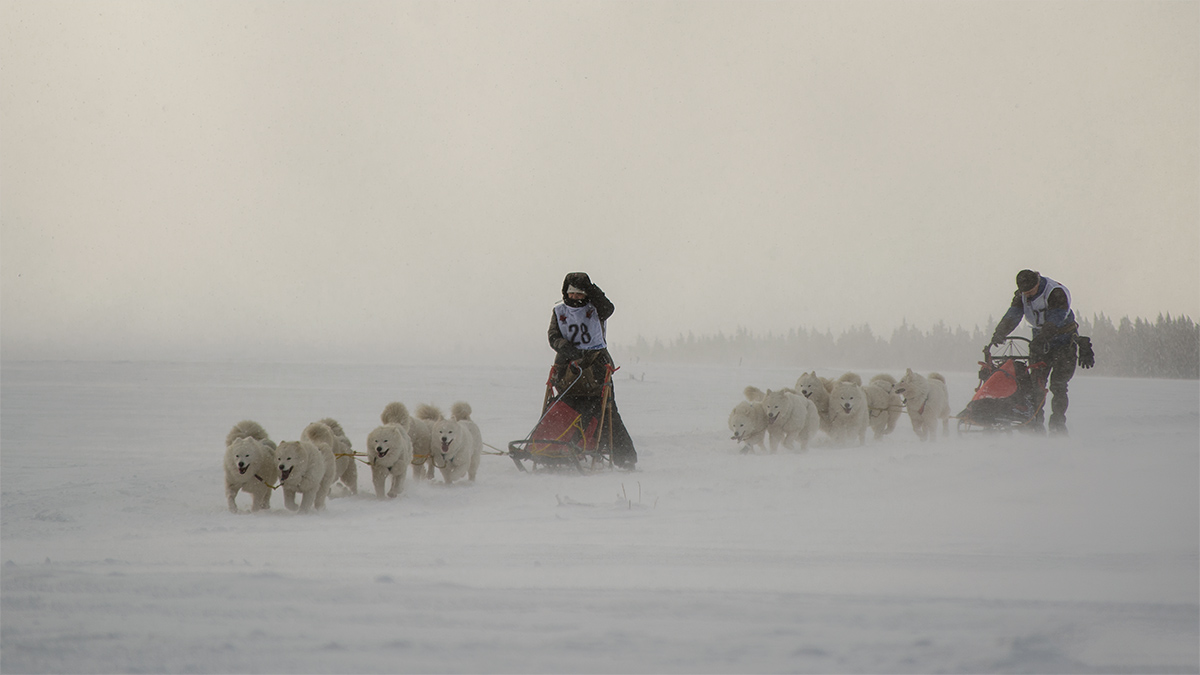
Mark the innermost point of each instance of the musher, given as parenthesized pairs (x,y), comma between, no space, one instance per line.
(577,335)
(1046,305)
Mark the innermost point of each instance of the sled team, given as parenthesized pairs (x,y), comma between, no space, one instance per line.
(324,456)
(843,409)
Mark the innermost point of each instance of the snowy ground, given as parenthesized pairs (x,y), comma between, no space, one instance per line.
(974,554)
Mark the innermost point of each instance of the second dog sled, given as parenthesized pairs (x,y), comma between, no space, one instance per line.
(573,432)
(1011,392)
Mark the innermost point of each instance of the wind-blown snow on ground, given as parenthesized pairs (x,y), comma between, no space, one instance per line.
(973,554)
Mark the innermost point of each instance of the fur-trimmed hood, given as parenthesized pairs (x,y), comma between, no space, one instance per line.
(579,280)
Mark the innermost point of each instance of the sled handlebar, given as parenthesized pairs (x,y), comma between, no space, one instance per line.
(987,350)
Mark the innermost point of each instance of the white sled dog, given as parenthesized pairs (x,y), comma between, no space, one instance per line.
(849,416)
(748,421)
(457,444)
(249,465)
(885,404)
(816,389)
(343,455)
(307,466)
(927,402)
(419,430)
(790,418)
(390,452)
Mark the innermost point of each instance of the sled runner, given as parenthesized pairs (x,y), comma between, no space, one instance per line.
(568,434)
(1011,391)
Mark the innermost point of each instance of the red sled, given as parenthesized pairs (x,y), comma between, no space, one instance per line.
(1011,391)
(566,436)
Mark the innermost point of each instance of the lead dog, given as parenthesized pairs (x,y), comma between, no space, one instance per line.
(748,420)
(249,465)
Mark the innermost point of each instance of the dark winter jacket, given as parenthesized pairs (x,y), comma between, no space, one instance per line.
(564,349)
(1059,327)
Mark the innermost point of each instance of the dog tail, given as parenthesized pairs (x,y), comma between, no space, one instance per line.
(460,411)
(394,413)
(429,413)
(343,441)
(320,435)
(334,427)
(937,376)
(886,378)
(851,377)
(753,393)
(247,429)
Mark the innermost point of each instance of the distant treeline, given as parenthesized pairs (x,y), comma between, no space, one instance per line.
(1166,348)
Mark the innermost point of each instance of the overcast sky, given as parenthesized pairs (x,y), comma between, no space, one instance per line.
(381,180)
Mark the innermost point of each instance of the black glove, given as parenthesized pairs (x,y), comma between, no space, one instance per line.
(572,353)
(998,340)
(1037,346)
(1087,358)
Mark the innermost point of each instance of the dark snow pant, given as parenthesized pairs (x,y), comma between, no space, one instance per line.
(1062,368)
(623,453)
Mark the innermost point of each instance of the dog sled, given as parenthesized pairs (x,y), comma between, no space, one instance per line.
(574,431)
(1011,391)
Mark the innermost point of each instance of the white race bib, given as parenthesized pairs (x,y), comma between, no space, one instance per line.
(582,326)
(1035,309)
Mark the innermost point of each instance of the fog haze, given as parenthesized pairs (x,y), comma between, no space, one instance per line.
(404,180)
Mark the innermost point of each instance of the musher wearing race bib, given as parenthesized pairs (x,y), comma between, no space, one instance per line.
(1046,305)
(577,334)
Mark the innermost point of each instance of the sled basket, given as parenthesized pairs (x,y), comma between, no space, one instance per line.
(1011,391)
(573,432)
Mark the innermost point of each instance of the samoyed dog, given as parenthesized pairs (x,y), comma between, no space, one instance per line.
(816,389)
(419,430)
(790,418)
(927,402)
(250,465)
(748,421)
(885,404)
(389,452)
(849,415)
(307,466)
(457,444)
(343,454)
